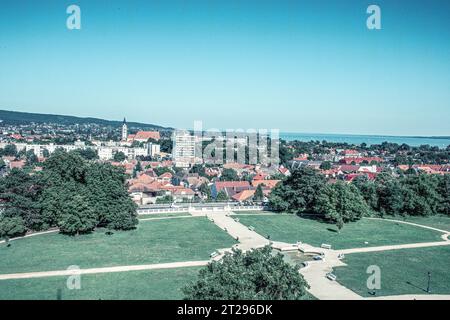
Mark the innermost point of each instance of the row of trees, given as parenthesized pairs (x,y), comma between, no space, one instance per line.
(403,153)
(307,191)
(413,194)
(70,193)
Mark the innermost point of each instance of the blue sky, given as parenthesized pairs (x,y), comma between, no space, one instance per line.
(298,66)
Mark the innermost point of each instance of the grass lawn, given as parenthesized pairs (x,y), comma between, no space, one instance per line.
(164,215)
(157,241)
(252,212)
(290,228)
(438,221)
(402,271)
(164,284)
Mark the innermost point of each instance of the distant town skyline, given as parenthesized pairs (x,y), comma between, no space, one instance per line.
(296,66)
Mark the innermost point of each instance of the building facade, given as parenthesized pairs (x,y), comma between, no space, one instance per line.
(183,151)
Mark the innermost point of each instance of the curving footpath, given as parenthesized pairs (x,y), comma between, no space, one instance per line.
(324,289)
(315,274)
(56,273)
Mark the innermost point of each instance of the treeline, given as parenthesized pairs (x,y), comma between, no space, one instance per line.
(412,194)
(403,153)
(307,191)
(70,193)
(15,117)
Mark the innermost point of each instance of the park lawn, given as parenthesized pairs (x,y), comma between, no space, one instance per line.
(437,221)
(403,271)
(291,228)
(164,215)
(253,212)
(162,284)
(154,241)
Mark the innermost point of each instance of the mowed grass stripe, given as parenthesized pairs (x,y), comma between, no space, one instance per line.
(132,285)
(156,241)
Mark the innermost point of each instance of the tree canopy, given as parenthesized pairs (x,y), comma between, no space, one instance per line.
(70,193)
(255,275)
(341,203)
(411,194)
(299,192)
(229,175)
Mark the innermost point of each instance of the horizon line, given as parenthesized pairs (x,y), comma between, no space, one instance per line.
(280,131)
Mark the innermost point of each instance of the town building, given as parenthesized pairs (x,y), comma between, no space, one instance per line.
(124,130)
(183,151)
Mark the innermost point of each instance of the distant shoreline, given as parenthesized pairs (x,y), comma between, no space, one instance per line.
(355,139)
(363,135)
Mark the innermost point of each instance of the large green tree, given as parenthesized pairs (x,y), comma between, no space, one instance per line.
(88,153)
(108,197)
(255,275)
(229,175)
(47,199)
(18,196)
(341,202)
(77,216)
(259,194)
(64,166)
(299,192)
(119,156)
(444,191)
(222,196)
(11,227)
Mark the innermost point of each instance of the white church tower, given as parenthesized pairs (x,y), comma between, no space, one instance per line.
(124,130)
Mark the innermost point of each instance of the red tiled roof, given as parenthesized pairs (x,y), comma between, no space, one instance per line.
(260,176)
(184,191)
(16,136)
(243,195)
(283,170)
(166,175)
(350,151)
(349,168)
(268,183)
(231,184)
(145,135)
(301,157)
(17,164)
(145,187)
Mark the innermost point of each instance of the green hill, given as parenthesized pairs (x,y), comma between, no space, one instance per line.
(14,117)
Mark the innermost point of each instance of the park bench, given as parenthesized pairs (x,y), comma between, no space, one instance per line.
(251,228)
(331,276)
(325,246)
(214,254)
